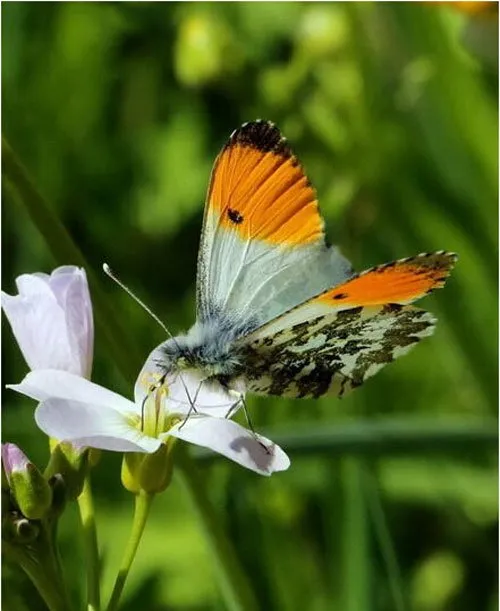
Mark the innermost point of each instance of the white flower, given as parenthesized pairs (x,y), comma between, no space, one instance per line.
(86,414)
(52,320)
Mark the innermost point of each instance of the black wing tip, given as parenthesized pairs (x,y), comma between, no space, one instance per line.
(261,135)
(439,253)
(442,255)
(439,259)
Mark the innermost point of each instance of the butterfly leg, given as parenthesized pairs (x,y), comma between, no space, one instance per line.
(249,422)
(192,406)
(233,409)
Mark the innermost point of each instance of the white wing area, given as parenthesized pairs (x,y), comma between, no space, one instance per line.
(254,281)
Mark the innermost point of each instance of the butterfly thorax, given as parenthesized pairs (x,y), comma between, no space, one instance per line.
(211,347)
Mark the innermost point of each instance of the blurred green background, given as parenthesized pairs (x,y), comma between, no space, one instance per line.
(117,112)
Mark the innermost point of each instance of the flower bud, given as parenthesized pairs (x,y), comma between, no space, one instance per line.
(30,490)
(149,472)
(26,531)
(72,464)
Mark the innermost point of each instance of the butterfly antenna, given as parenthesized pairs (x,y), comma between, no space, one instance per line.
(108,272)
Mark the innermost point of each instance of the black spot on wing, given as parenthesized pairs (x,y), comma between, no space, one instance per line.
(234,216)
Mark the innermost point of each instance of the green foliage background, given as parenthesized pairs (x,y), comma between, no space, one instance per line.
(117,111)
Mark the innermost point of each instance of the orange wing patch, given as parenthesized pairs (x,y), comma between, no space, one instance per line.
(399,282)
(259,189)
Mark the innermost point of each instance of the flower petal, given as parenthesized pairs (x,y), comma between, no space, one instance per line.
(233,441)
(30,285)
(39,325)
(13,459)
(70,287)
(52,320)
(49,383)
(95,426)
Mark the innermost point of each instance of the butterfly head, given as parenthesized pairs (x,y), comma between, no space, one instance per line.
(208,347)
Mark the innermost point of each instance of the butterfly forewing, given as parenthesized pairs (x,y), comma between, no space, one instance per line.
(262,233)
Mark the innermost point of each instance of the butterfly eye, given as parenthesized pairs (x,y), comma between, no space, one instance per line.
(182,362)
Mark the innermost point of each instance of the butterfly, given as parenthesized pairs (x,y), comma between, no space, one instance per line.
(278,311)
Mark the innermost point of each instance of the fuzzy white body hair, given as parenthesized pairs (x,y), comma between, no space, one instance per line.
(208,346)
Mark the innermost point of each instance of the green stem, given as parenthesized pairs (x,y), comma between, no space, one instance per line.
(236,588)
(143,502)
(40,562)
(87,517)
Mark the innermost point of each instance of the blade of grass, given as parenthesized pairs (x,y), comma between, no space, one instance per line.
(356,562)
(385,542)
(382,437)
(234,585)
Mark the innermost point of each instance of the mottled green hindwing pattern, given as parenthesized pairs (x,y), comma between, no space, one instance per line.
(333,353)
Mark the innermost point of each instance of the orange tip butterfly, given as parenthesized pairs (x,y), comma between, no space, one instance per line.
(278,311)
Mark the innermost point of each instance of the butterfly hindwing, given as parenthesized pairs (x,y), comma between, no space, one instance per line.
(262,233)
(334,341)
(334,353)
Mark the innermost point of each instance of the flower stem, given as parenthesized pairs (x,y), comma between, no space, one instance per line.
(87,517)
(235,586)
(143,502)
(40,562)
